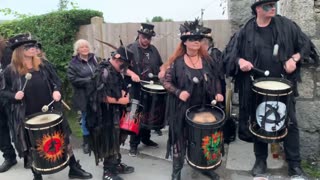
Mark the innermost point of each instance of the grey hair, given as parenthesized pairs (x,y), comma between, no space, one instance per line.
(77,45)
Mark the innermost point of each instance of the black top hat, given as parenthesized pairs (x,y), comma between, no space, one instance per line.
(19,40)
(259,2)
(190,28)
(207,32)
(147,29)
(123,53)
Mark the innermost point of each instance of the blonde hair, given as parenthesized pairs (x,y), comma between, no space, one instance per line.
(78,44)
(17,61)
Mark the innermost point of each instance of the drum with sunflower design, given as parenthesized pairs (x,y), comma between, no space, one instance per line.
(205,136)
(48,142)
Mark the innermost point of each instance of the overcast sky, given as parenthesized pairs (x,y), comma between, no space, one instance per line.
(127,10)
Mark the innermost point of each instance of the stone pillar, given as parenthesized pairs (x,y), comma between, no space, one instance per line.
(239,13)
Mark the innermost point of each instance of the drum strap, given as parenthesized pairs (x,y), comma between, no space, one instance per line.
(272,110)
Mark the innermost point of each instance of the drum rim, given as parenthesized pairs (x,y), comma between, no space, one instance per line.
(221,122)
(54,169)
(45,125)
(282,92)
(204,168)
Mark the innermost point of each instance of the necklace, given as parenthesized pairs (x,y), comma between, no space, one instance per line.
(194,64)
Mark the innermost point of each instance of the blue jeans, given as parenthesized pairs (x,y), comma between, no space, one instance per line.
(85,131)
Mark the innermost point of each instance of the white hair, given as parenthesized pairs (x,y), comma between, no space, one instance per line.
(79,43)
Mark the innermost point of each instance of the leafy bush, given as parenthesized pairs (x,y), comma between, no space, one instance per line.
(57,32)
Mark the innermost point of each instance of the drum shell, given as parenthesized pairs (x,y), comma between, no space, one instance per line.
(40,137)
(154,103)
(130,120)
(261,96)
(205,141)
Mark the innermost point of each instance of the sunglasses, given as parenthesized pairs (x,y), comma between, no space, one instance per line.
(194,38)
(268,7)
(29,46)
(146,37)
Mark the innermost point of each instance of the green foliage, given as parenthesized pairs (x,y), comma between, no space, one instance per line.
(57,32)
(158,19)
(313,170)
(8,11)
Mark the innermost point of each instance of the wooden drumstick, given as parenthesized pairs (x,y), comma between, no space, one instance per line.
(65,105)
(28,76)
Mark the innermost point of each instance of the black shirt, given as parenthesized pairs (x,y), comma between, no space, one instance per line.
(265,41)
(197,91)
(36,94)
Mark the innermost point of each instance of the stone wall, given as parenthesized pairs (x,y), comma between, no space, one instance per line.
(306,13)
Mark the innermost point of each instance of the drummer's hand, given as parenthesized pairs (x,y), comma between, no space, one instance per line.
(290,66)
(219,98)
(245,65)
(161,74)
(125,100)
(184,96)
(56,96)
(19,95)
(135,77)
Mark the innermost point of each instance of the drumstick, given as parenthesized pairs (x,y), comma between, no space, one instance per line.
(128,87)
(45,108)
(28,76)
(65,105)
(213,102)
(148,82)
(266,73)
(150,75)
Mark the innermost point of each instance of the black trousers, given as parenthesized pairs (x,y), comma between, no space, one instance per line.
(144,135)
(5,139)
(291,141)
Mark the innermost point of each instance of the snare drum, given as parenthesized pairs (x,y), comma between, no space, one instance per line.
(269,115)
(48,142)
(153,99)
(130,120)
(205,136)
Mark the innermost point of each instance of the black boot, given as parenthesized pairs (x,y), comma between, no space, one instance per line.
(211,174)
(176,168)
(296,171)
(110,175)
(27,161)
(260,167)
(7,164)
(85,146)
(37,177)
(149,143)
(76,172)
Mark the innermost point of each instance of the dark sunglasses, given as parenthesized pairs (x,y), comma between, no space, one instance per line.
(268,7)
(29,46)
(146,37)
(194,38)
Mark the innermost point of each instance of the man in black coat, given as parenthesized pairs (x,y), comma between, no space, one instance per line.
(275,43)
(146,60)
(6,147)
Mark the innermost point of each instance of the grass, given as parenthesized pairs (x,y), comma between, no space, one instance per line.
(312,170)
(73,119)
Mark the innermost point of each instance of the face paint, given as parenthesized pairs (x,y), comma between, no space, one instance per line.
(268,7)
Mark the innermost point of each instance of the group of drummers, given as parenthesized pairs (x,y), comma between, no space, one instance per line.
(133,92)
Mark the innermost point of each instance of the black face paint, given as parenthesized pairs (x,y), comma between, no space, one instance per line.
(268,7)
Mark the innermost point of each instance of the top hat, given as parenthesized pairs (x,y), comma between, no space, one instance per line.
(190,28)
(259,2)
(147,29)
(207,32)
(19,40)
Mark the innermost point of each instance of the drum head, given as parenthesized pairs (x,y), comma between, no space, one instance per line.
(205,116)
(43,119)
(153,88)
(276,86)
